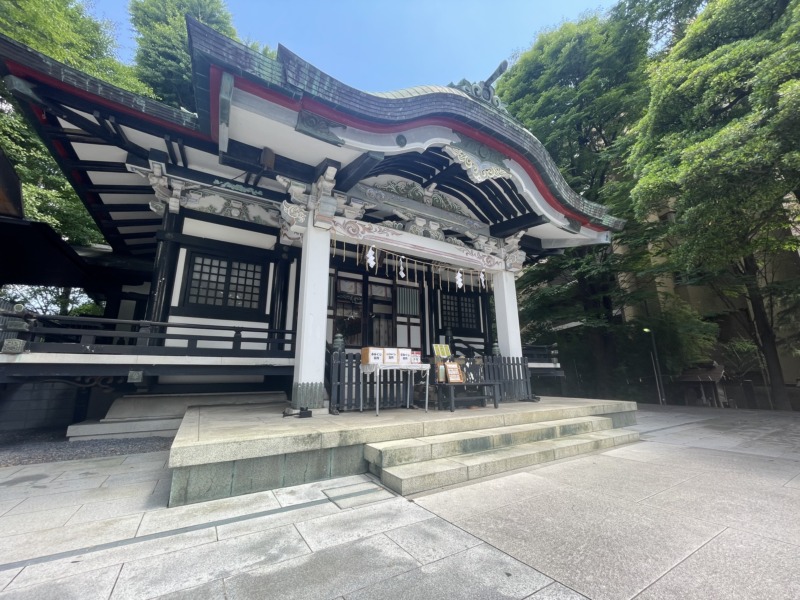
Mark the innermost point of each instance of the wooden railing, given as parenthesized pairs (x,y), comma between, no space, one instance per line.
(95,335)
(344,380)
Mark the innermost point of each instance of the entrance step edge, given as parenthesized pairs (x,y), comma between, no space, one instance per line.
(431,474)
(406,451)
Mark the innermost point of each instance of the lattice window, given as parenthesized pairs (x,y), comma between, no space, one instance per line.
(460,311)
(450,311)
(219,282)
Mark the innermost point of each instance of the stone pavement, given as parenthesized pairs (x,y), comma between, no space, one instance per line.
(706,506)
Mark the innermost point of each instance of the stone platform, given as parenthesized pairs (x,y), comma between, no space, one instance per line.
(148,415)
(223,451)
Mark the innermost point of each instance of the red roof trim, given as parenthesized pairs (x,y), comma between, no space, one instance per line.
(27,73)
(350,120)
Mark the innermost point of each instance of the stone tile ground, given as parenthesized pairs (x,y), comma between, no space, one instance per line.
(706,506)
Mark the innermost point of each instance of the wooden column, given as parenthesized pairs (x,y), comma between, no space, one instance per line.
(507,313)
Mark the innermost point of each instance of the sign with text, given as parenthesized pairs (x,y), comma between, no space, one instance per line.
(441,350)
(454,374)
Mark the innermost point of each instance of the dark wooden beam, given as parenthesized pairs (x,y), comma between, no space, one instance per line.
(512,226)
(214,181)
(443,174)
(119,189)
(323,166)
(530,244)
(173,158)
(96,165)
(155,222)
(127,207)
(248,159)
(357,170)
(151,235)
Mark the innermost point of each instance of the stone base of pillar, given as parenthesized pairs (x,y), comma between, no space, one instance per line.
(308,395)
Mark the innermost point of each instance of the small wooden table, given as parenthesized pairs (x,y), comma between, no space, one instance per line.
(376,370)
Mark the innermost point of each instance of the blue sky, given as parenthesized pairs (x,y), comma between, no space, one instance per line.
(379,45)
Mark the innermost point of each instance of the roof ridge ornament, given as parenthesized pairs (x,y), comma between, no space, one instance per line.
(483,90)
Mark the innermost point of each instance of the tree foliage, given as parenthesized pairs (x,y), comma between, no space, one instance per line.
(579,89)
(162,54)
(63,30)
(46,300)
(720,146)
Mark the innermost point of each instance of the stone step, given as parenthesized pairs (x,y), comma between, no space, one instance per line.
(431,474)
(400,452)
(99,430)
(173,406)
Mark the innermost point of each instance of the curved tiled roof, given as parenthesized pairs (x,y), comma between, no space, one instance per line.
(298,78)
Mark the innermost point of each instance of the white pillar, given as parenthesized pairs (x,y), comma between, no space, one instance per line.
(507,313)
(308,388)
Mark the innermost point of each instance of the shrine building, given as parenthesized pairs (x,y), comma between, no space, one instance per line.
(289,209)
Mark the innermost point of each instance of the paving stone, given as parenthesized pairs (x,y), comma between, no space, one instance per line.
(28,523)
(432,539)
(137,477)
(478,498)
(147,457)
(91,561)
(6,472)
(735,564)
(776,469)
(107,471)
(214,590)
(326,574)
(769,510)
(308,492)
(63,466)
(295,515)
(602,547)
(351,525)
(72,537)
(628,479)
(352,496)
(166,573)
(556,591)
(45,487)
(98,511)
(205,512)
(7,576)
(479,573)
(7,505)
(79,497)
(93,585)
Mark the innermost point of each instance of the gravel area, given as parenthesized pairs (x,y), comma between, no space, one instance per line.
(41,446)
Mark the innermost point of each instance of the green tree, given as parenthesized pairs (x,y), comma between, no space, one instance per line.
(46,300)
(63,30)
(162,54)
(579,89)
(667,20)
(720,146)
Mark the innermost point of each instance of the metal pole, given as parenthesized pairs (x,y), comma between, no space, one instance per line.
(657,367)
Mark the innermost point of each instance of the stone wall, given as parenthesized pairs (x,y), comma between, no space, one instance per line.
(36,406)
